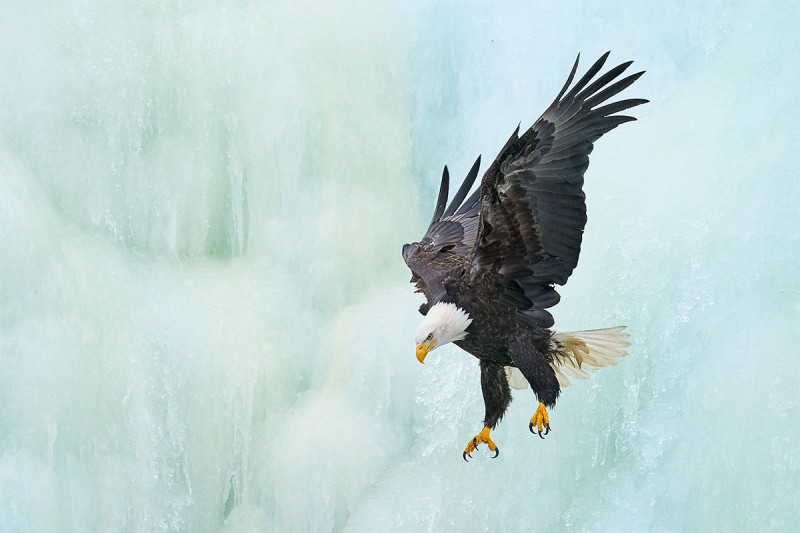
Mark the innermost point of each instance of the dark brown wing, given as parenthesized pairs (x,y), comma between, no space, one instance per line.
(533,208)
(458,224)
(449,239)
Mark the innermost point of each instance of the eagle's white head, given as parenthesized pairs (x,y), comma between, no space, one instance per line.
(445,322)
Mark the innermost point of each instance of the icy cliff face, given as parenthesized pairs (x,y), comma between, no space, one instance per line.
(204,316)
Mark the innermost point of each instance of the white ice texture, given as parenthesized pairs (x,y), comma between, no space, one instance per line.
(205,320)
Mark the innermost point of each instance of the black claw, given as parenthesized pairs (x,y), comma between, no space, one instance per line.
(465,457)
(548,430)
(496,453)
(475,443)
(541,436)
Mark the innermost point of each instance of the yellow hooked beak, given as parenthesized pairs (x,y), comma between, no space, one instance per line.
(423,349)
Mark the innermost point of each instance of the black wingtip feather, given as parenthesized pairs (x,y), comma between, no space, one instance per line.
(616,107)
(594,69)
(472,203)
(441,201)
(590,132)
(569,80)
(612,90)
(600,82)
(464,189)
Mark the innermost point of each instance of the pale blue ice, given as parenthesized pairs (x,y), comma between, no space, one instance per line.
(205,320)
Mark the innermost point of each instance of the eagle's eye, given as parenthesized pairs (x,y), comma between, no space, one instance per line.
(429,337)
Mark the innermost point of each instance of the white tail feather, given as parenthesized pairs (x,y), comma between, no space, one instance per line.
(578,351)
(515,378)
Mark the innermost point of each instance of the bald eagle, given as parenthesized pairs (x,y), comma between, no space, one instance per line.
(488,263)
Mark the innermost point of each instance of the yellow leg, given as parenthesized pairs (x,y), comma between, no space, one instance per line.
(483,436)
(540,420)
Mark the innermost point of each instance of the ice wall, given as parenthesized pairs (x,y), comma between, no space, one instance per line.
(204,318)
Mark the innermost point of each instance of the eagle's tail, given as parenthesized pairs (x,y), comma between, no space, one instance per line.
(578,351)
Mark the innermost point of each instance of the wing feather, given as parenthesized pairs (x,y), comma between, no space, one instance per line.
(441,201)
(532,205)
(449,237)
(464,189)
(613,89)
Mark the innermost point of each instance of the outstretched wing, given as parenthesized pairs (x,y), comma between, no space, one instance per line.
(449,239)
(458,224)
(533,207)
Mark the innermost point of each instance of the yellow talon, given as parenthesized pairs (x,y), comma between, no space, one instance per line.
(483,436)
(540,420)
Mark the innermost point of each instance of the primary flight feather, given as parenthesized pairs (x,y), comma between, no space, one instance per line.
(488,263)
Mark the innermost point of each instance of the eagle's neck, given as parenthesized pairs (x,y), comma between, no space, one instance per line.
(452,320)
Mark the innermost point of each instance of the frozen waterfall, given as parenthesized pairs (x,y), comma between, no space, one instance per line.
(205,320)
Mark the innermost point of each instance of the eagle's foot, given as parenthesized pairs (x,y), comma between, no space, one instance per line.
(483,436)
(540,420)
